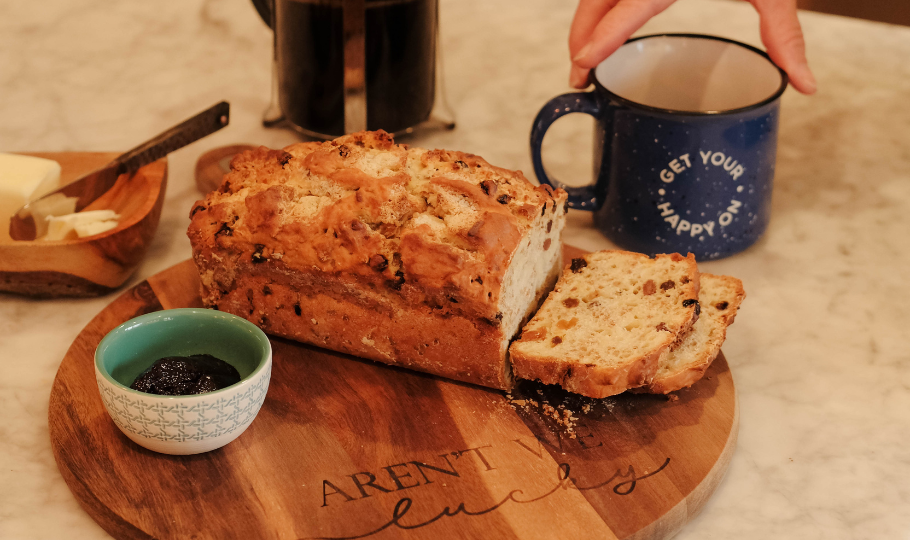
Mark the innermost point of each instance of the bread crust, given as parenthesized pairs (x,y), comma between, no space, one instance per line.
(681,379)
(289,305)
(399,255)
(586,379)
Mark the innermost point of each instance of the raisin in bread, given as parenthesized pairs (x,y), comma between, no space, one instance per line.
(430,260)
(719,297)
(611,317)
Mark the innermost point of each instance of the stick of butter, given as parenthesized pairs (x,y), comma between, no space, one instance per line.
(81,223)
(23,179)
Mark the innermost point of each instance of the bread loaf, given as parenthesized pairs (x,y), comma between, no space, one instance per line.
(430,260)
(720,298)
(608,322)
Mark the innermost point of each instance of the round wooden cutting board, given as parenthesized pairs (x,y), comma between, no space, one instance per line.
(347,448)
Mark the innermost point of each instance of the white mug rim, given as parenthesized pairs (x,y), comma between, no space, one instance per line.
(678,112)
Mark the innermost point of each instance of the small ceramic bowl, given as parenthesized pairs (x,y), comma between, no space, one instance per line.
(183,424)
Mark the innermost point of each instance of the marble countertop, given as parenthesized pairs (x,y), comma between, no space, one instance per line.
(820,351)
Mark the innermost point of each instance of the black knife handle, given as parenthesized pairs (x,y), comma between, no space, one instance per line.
(197,127)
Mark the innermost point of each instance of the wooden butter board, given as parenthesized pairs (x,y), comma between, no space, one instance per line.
(94,265)
(348,448)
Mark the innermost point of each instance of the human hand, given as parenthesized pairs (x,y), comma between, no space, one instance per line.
(602,26)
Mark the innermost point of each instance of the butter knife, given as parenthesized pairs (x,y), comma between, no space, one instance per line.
(96,183)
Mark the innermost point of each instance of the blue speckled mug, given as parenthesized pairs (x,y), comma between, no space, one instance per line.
(685,144)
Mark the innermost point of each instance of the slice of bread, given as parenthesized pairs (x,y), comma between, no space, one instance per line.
(719,297)
(611,317)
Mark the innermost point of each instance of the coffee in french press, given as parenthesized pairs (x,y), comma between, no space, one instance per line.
(348,65)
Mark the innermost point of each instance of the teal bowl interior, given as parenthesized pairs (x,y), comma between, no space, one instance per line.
(135,345)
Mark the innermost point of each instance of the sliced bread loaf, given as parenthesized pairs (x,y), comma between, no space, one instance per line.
(719,297)
(611,317)
(425,259)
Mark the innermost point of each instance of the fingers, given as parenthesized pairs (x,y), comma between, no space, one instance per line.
(588,14)
(602,26)
(783,37)
(578,77)
(615,27)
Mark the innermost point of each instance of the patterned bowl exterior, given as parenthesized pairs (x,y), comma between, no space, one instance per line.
(184,425)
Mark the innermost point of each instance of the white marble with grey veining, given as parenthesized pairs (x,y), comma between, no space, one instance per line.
(820,351)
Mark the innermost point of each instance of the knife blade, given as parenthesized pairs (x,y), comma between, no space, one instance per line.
(94,184)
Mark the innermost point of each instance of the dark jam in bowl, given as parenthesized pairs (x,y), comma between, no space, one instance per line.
(400,53)
(186,375)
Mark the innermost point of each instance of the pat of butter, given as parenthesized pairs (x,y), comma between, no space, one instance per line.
(57,204)
(80,224)
(23,179)
(95,227)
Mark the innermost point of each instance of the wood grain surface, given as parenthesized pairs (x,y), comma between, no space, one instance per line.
(214,164)
(347,448)
(98,264)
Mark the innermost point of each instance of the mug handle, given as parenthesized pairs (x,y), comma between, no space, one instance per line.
(583,197)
